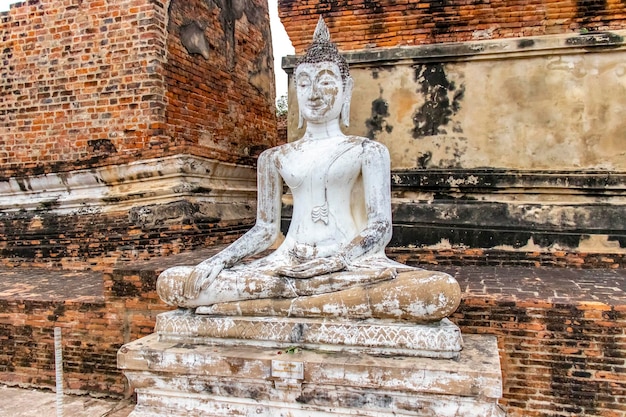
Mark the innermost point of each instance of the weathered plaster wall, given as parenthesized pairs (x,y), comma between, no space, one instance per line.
(548,103)
(510,145)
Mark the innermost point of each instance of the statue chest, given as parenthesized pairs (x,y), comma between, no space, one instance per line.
(319,168)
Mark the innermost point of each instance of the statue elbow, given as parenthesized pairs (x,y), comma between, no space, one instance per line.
(385,228)
(267,232)
(388,233)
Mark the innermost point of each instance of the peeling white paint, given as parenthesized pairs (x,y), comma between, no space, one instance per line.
(600,244)
(144,182)
(469,180)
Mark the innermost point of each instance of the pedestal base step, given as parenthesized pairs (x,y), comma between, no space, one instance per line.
(377,337)
(216,406)
(175,378)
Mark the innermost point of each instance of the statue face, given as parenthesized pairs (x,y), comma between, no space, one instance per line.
(320,91)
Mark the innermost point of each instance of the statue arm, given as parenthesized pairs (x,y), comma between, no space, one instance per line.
(376,235)
(260,237)
(267,227)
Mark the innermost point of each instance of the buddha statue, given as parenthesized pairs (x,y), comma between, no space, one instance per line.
(332,260)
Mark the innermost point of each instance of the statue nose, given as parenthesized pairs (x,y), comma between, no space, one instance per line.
(314,92)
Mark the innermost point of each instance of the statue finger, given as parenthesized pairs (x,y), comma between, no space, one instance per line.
(190,286)
(212,277)
(312,272)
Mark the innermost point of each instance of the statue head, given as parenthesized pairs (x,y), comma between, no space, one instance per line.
(323,82)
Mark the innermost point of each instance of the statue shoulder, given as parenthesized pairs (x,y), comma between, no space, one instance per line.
(270,154)
(371,147)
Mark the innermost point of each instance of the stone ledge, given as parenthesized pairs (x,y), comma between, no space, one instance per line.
(140,183)
(569,43)
(50,285)
(377,337)
(545,285)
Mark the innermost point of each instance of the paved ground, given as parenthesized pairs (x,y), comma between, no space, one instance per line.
(40,284)
(555,285)
(17,402)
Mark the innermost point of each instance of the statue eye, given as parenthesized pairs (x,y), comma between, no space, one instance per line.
(304,83)
(327,82)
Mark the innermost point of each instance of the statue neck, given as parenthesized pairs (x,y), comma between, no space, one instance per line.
(323,130)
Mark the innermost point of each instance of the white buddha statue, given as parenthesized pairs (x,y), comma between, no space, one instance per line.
(332,260)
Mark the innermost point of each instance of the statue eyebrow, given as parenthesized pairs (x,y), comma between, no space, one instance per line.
(327,72)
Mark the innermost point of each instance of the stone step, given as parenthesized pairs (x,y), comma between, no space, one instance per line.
(220,379)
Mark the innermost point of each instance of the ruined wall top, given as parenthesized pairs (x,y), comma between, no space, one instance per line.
(361,24)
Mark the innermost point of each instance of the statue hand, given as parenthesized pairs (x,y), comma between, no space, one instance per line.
(313,268)
(201,277)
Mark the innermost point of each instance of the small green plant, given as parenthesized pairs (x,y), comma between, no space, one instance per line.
(281,105)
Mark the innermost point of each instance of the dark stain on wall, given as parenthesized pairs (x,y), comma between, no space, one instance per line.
(101,146)
(443,23)
(438,107)
(457,212)
(376,123)
(377,25)
(423,159)
(621,239)
(124,289)
(230,12)
(175,213)
(59,311)
(405,234)
(567,370)
(374,6)
(525,43)
(590,10)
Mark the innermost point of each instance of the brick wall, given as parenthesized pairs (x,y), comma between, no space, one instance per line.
(91,337)
(360,24)
(98,240)
(77,82)
(92,330)
(102,87)
(223,105)
(90,83)
(560,336)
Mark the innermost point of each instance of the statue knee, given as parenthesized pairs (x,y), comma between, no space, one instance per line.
(171,284)
(420,295)
(440,291)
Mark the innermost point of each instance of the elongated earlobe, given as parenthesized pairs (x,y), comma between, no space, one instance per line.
(345,114)
(347,98)
(300,119)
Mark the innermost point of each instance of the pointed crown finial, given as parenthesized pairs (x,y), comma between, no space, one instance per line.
(321,34)
(323,50)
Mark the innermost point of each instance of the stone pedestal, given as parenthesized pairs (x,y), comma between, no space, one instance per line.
(216,366)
